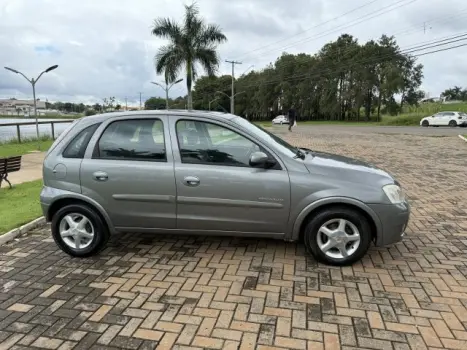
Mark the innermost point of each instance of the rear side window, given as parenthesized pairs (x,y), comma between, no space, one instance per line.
(133,139)
(77,147)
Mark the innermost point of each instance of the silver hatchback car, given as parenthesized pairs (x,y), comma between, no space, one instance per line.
(212,174)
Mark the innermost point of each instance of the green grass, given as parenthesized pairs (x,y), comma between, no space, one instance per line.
(19,205)
(402,120)
(432,108)
(14,148)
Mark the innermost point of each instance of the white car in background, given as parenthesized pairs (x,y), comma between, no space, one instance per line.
(280,119)
(451,119)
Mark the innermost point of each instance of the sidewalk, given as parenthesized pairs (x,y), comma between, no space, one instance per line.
(31,169)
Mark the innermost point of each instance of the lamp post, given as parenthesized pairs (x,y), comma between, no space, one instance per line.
(231,98)
(212,102)
(33,82)
(166,88)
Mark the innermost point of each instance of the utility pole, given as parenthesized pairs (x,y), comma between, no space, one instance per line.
(140,100)
(232,99)
(126,104)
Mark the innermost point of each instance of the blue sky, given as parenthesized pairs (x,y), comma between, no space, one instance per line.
(104,48)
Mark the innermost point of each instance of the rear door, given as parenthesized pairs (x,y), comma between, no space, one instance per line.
(446,118)
(217,190)
(128,169)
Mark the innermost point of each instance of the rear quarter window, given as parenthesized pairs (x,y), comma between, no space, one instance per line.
(77,146)
(63,134)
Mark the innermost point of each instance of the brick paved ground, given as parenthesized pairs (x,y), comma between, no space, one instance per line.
(196,292)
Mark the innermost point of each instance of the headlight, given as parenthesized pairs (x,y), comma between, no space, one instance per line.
(394,193)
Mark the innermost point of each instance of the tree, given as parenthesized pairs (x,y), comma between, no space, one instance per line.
(455,93)
(108,104)
(342,81)
(154,103)
(190,43)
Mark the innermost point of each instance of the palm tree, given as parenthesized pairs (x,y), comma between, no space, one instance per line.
(191,42)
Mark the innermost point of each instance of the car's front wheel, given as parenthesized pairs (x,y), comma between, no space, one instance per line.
(79,231)
(425,123)
(338,236)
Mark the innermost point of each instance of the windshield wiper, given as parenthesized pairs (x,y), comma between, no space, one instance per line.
(300,154)
(307,150)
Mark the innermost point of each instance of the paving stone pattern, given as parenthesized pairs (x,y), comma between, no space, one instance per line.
(147,292)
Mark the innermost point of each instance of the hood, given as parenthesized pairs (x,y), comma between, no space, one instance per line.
(345,168)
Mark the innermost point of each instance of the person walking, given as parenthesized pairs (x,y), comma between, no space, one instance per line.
(292,117)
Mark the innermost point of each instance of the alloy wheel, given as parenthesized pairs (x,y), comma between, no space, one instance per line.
(76,231)
(338,238)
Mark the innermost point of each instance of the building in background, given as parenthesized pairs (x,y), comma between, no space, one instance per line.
(24,108)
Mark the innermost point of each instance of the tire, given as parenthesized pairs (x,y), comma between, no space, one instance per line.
(312,235)
(99,229)
(425,123)
(452,123)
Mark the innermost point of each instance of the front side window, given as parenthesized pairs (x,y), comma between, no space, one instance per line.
(207,143)
(77,147)
(267,136)
(133,139)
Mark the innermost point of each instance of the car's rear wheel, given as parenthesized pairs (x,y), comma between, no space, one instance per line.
(79,231)
(452,123)
(338,236)
(425,123)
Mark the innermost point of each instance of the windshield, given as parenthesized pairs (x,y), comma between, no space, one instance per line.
(267,136)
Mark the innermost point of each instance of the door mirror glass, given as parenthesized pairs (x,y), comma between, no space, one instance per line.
(259,159)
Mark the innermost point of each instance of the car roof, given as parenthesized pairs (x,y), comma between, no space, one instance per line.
(150,113)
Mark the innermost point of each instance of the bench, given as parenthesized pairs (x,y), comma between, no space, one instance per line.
(9,165)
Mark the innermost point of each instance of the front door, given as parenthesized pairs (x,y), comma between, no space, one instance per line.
(217,190)
(128,170)
(439,118)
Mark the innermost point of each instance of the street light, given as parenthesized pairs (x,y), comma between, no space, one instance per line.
(230,97)
(166,88)
(212,102)
(33,82)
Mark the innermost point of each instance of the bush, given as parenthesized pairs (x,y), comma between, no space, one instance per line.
(402,120)
(89,112)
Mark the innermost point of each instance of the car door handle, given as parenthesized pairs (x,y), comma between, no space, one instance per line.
(100,176)
(191,181)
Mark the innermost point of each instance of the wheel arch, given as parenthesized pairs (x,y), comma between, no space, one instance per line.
(64,201)
(311,210)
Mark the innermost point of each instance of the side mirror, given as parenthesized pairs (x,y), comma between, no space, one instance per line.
(259,159)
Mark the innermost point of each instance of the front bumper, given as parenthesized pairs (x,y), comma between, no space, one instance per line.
(394,219)
(462,123)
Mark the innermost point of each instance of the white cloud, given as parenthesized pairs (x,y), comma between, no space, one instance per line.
(105,48)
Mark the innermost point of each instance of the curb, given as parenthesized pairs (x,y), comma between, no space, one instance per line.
(463,138)
(9,236)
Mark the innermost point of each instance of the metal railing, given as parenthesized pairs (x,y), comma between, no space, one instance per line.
(7,130)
